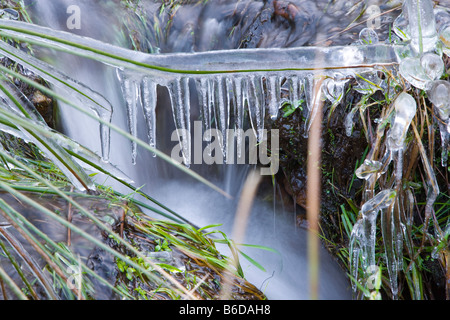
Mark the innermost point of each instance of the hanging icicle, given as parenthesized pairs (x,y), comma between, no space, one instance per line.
(180,101)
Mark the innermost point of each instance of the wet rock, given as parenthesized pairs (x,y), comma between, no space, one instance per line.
(44,106)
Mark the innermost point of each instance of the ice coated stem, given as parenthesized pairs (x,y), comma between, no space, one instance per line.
(405,110)
(422,24)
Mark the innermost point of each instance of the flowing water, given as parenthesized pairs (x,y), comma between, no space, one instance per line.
(215,25)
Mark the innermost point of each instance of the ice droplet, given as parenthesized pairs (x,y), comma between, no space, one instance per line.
(368,82)
(401,27)
(444,36)
(432,65)
(420,72)
(368,36)
(381,201)
(439,95)
(334,88)
(405,109)
(368,168)
(442,18)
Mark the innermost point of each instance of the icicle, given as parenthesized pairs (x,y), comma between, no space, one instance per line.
(309,96)
(231,102)
(130,90)
(256,105)
(230,99)
(349,122)
(274,88)
(363,236)
(220,112)
(313,95)
(333,88)
(105,134)
(444,129)
(357,242)
(296,86)
(369,212)
(202,85)
(180,100)
(389,234)
(294,94)
(241,100)
(148,100)
(211,107)
(439,95)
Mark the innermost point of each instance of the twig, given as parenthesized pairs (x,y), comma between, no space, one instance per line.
(314,190)
(240,224)
(69,219)
(2,285)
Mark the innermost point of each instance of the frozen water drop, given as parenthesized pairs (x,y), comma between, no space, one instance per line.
(367,169)
(368,36)
(401,27)
(439,95)
(444,36)
(405,109)
(442,18)
(432,65)
(411,69)
(368,82)
(334,88)
(382,200)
